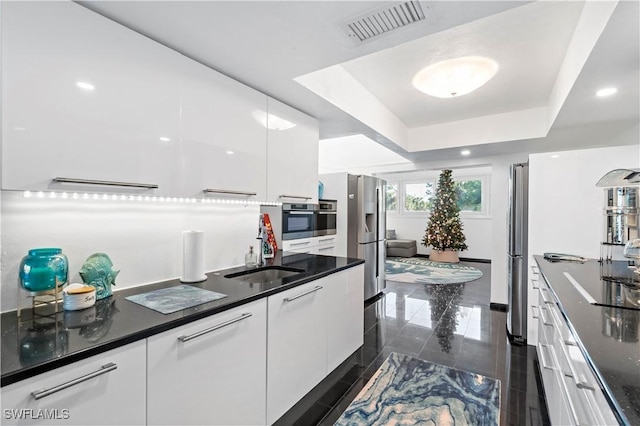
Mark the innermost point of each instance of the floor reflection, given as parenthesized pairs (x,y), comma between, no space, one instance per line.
(448,324)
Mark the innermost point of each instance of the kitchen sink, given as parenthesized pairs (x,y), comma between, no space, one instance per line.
(264,275)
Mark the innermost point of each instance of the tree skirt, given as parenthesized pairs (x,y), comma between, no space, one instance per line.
(410,391)
(416,270)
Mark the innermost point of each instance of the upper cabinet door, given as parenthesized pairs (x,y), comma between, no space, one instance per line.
(224,141)
(292,171)
(85,98)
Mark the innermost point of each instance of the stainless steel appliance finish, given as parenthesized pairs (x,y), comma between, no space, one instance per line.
(517,252)
(326,218)
(298,221)
(366,227)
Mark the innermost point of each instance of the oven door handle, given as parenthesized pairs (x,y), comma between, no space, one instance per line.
(305,213)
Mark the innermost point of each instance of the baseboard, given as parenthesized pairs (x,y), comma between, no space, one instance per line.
(498,307)
(463,259)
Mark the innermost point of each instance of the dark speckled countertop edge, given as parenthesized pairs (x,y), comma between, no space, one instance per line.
(607,391)
(171,321)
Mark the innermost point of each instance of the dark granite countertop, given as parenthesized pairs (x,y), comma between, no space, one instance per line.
(33,344)
(608,336)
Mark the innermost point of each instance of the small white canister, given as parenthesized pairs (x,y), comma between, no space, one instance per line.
(78,296)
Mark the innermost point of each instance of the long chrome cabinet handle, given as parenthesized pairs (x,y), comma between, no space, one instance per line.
(214,328)
(294,196)
(300,244)
(105,183)
(46,392)
(326,248)
(313,290)
(228,191)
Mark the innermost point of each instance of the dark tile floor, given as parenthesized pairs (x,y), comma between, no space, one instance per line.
(446,324)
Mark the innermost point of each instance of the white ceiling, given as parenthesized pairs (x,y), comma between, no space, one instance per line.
(553,55)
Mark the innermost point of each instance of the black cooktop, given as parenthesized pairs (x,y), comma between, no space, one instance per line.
(616,286)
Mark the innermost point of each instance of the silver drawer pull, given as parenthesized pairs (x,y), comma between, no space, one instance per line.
(105,183)
(313,290)
(326,248)
(300,244)
(535,285)
(214,328)
(326,239)
(227,191)
(570,343)
(46,392)
(543,358)
(294,196)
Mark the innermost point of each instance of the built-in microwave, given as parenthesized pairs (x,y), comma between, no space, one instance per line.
(326,218)
(298,221)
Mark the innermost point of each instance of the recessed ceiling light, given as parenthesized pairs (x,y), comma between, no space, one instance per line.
(230,152)
(465,152)
(85,86)
(555,156)
(455,77)
(164,139)
(608,91)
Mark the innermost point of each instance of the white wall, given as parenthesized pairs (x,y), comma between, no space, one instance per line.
(566,207)
(144,240)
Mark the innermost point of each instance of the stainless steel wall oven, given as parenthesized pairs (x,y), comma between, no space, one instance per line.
(298,221)
(326,218)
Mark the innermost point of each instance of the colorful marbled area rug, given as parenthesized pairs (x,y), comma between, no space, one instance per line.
(416,270)
(410,391)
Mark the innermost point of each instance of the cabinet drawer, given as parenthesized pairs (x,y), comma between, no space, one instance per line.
(109,388)
(198,373)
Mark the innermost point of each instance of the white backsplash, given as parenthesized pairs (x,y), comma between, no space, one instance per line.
(143,239)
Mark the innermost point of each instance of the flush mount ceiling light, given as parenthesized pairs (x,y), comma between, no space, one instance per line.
(465,152)
(606,92)
(455,77)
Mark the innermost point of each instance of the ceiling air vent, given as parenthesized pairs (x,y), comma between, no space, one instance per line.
(388,18)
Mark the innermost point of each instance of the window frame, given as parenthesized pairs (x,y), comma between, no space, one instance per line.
(404,194)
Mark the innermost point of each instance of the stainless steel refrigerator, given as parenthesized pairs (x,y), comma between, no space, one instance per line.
(517,252)
(366,229)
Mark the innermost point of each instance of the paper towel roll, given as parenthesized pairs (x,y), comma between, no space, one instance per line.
(193,257)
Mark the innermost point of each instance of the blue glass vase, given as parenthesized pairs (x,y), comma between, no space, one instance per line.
(43,269)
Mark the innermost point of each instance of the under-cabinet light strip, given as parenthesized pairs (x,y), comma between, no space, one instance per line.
(143,198)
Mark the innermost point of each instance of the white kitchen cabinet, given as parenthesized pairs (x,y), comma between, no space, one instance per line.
(297,345)
(122,125)
(292,157)
(224,140)
(572,392)
(105,389)
(314,245)
(212,371)
(344,314)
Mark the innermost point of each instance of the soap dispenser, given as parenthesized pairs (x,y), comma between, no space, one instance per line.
(251,258)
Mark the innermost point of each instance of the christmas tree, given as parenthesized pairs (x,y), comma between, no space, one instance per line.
(444,230)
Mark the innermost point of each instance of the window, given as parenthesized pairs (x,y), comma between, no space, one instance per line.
(392,197)
(417,196)
(469,193)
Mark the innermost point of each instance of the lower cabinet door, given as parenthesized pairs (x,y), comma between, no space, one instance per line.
(297,345)
(210,372)
(345,314)
(105,389)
